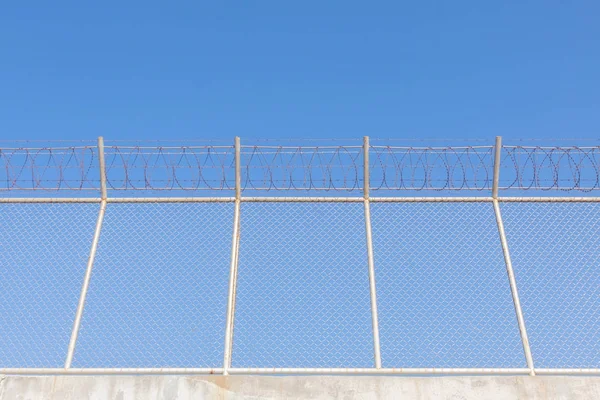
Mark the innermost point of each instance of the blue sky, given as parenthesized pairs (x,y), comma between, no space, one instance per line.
(151,70)
(305,70)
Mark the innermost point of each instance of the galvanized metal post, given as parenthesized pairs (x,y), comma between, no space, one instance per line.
(370,259)
(497,155)
(507,260)
(102,163)
(92,256)
(235,249)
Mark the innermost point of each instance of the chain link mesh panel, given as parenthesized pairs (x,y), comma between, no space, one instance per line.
(158,292)
(43,256)
(443,292)
(555,249)
(303,287)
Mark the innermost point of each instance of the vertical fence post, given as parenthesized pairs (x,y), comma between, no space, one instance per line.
(92,256)
(507,260)
(370,260)
(235,248)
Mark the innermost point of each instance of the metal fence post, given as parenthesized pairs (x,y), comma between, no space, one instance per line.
(235,248)
(92,256)
(370,259)
(507,259)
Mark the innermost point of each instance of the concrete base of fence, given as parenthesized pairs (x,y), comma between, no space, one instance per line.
(297,387)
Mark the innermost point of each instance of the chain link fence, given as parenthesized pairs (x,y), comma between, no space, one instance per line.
(444,298)
(555,249)
(300,258)
(43,254)
(302,290)
(159,281)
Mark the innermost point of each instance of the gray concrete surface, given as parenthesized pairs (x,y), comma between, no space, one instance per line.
(296,387)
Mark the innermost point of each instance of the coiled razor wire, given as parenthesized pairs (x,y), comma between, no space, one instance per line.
(299,168)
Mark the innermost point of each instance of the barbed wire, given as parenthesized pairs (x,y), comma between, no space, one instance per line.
(432,168)
(42,168)
(307,168)
(167,168)
(302,168)
(551,168)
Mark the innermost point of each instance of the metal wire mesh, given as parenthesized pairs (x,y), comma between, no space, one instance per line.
(158,292)
(43,255)
(303,288)
(443,293)
(555,248)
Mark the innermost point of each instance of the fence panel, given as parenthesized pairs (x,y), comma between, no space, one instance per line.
(443,293)
(555,250)
(303,287)
(158,291)
(43,255)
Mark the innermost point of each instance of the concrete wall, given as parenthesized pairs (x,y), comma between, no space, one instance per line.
(298,387)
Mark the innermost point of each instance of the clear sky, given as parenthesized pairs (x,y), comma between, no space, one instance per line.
(192,70)
(152,70)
